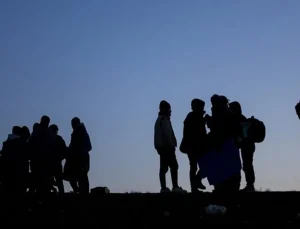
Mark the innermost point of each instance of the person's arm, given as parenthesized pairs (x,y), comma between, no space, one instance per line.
(168,133)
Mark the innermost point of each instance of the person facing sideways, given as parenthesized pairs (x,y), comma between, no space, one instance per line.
(165,144)
(194,141)
(247,146)
(78,159)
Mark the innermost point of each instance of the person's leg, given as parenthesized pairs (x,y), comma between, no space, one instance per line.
(59,179)
(247,152)
(173,164)
(84,185)
(163,169)
(74,185)
(193,172)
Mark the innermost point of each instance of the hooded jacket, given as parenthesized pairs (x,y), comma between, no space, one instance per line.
(80,140)
(164,137)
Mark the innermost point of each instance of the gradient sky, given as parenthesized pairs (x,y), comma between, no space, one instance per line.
(110,62)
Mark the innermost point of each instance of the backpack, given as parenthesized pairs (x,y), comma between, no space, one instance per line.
(256,130)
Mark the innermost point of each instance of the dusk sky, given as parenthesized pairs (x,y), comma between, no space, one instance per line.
(110,62)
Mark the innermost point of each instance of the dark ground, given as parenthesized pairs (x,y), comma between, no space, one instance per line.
(152,210)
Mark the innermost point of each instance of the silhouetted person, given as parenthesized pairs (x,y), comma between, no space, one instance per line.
(41,144)
(224,129)
(165,143)
(24,158)
(78,158)
(12,163)
(59,154)
(194,141)
(247,146)
(297,108)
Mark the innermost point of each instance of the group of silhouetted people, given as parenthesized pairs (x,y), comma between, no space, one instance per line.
(32,162)
(230,133)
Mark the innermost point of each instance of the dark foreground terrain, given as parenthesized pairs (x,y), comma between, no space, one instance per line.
(153,210)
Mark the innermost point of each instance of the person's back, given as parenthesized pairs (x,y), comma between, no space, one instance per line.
(195,132)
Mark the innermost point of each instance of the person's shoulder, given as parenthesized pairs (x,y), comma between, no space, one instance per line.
(190,117)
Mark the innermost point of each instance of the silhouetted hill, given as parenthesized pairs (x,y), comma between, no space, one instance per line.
(151,210)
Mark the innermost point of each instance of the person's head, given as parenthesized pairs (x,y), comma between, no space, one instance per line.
(75,122)
(224,100)
(35,127)
(165,108)
(297,107)
(16,130)
(215,100)
(25,133)
(54,129)
(235,107)
(197,105)
(45,121)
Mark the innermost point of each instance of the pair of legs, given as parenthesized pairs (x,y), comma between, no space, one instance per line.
(58,176)
(81,185)
(195,177)
(79,180)
(168,160)
(247,152)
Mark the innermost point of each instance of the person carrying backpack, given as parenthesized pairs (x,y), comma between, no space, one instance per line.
(165,144)
(253,131)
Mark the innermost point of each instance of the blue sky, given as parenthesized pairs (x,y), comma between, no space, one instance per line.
(110,62)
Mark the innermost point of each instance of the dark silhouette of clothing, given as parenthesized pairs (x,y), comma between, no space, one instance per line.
(14,166)
(246,144)
(229,186)
(168,160)
(41,145)
(78,159)
(194,143)
(247,152)
(165,143)
(59,154)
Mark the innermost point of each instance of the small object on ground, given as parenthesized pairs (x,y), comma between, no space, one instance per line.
(215,210)
(179,190)
(100,190)
(165,190)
